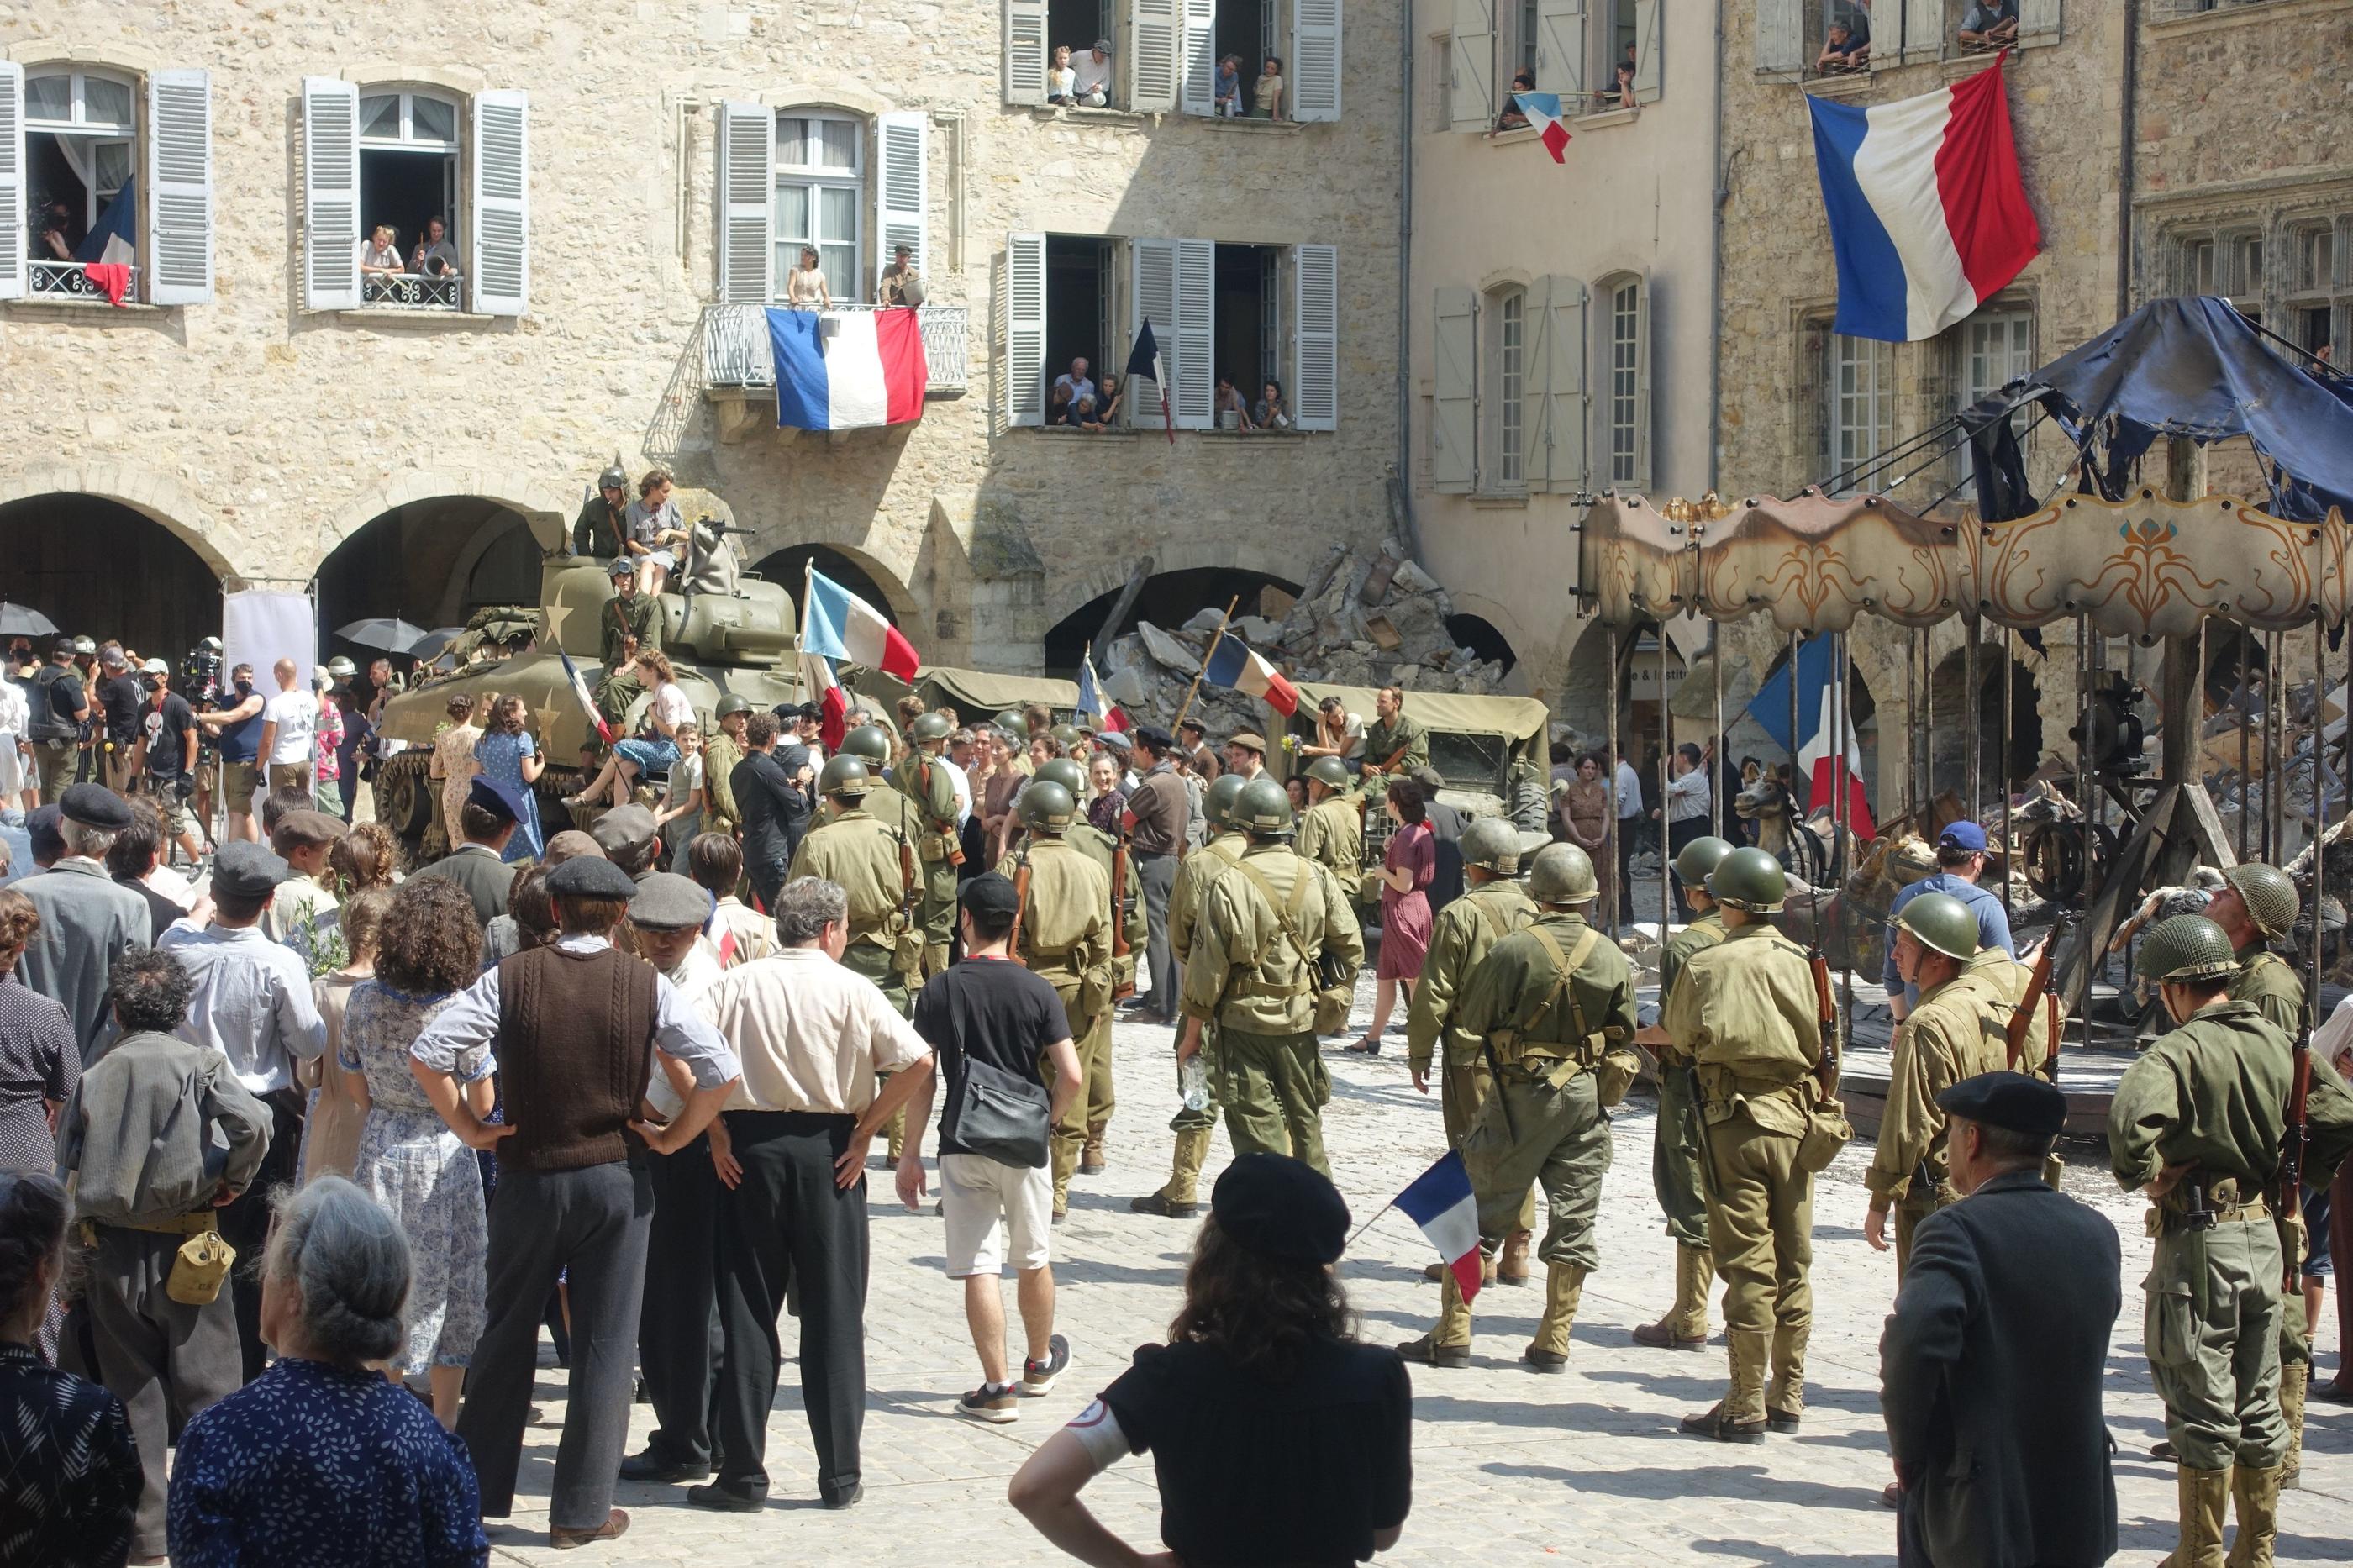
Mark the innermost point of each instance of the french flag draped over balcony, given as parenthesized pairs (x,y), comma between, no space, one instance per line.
(1928,215)
(1440,1202)
(846,369)
(1822,692)
(837,626)
(108,252)
(1234,663)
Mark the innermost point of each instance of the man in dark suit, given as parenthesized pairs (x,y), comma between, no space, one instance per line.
(772,808)
(479,865)
(1990,1366)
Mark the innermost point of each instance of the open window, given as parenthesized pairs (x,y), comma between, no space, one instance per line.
(408,199)
(72,142)
(806,178)
(1062,294)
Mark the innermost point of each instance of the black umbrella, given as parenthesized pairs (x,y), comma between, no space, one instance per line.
(392,635)
(23,621)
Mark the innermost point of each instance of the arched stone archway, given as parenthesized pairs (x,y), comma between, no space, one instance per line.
(100,567)
(854,570)
(548,506)
(419,560)
(158,497)
(1266,560)
(1169,598)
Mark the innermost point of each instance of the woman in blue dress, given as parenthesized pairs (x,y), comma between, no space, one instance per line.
(408,1160)
(510,756)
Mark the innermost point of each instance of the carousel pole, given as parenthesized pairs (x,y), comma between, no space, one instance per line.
(1797,819)
(1914,799)
(1840,790)
(2083,753)
(2274,722)
(2320,811)
(2009,686)
(1969,706)
(1716,803)
(1620,898)
(2244,700)
(1666,766)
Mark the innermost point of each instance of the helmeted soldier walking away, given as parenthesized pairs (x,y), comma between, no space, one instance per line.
(861,853)
(1126,913)
(2198,1123)
(1745,1011)
(923,779)
(1465,931)
(1193,1124)
(1275,941)
(1332,828)
(1677,1145)
(1552,1005)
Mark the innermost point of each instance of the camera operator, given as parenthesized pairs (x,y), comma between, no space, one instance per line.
(167,747)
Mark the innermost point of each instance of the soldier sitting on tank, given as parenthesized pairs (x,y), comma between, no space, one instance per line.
(630,624)
(605,517)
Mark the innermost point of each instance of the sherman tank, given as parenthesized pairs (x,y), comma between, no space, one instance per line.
(740,639)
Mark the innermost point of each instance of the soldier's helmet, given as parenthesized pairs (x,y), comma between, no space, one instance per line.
(1492,842)
(1941,923)
(615,478)
(846,776)
(1563,874)
(735,702)
(1046,807)
(1329,771)
(1264,809)
(929,727)
(1749,878)
(870,744)
(1066,735)
(1217,800)
(2271,898)
(1698,857)
(1063,772)
(2186,948)
(341,668)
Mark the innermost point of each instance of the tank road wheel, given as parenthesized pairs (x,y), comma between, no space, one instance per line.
(402,799)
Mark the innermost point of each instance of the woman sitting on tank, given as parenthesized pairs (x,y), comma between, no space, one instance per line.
(655,747)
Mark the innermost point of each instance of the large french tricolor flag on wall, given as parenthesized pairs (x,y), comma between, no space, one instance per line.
(1234,663)
(1928,214)
(1820,691)
(846,369)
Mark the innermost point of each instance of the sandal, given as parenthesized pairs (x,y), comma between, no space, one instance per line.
(1370,1045)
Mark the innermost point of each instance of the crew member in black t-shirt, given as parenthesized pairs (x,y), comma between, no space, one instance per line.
(1276,1437)
(167,747)
(121,696)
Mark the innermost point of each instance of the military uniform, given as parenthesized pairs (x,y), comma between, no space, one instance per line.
(1678,1148)
(1332,834)
(620,619)
(1953,1032)
(1065,937)
(720,756)
(600,528)
(1195,874)
(861,853)
(1103,850)
(1384,736)
(2269,983)
(925,783)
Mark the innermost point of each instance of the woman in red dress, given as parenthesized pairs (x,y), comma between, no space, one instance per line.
(1407,868)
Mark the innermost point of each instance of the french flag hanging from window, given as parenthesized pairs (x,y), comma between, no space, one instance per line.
(1543,109)
(846,369)
(1928,215)
(1821,690)
(109,250)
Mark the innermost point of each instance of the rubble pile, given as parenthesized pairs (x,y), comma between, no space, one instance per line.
(1361,619)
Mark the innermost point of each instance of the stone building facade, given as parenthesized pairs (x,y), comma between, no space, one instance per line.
(623,190)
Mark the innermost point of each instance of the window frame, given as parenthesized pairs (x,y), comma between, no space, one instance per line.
(453,153)
(1506,305)
(406,141)
(1968,388)
(1837,431)
(1625,390)
(813,178)
(129,135)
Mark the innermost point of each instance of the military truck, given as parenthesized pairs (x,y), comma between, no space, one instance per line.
(742,642)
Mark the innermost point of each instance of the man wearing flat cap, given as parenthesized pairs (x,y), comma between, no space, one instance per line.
(86,918)
(1992,1363)
(305,909)
(1246,756)
(479,865)
(628,837)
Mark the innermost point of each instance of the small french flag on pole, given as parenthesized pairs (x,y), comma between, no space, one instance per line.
(587,703)
(1440,1202)
(1234,663)
(1543,109)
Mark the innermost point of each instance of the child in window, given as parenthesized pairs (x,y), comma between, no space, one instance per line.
(1061,82)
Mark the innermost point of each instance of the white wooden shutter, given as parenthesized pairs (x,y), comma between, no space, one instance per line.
(1152,297)
(1196,333)
(1566,417)
(1641,479)
(1315,377)
(1781,35)
(1314,59)
(180,187)
(1471,93)
(1198,94)
(1156,51)
(747,192)
(1535,407)
(12,199)
(902,185)
(2038,19)
(1455,338)
(1923,30)
(1560,50)
(1025,51)
(501,207)
(331,193)
(1649,50)
(1024,328)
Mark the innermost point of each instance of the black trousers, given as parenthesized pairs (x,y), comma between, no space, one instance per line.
(245,1224)
(593,1221)
(1626,825)
(678,1343)
(787,1219)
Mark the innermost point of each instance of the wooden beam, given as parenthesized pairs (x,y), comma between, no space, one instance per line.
(2086,948)
(1121,607)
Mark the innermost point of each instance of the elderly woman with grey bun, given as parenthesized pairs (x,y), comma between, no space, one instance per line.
(321,1459)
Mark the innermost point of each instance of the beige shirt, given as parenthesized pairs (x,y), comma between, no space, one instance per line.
(811,1035)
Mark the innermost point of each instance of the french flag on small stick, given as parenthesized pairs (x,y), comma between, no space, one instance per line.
(836,626)
(587,700)
(1440,1202)
(1233,663)
(1543,109)
(1929,214)
(1106,715)
(846,369)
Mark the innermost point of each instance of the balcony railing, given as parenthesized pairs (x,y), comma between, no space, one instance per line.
(413,291)
(67,281)
(735,345)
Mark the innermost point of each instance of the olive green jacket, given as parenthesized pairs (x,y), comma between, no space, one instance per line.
(599,530)
(720,756)
(2271,983)
(921,779)
(1099,846)
(1242,971)
(1382,739)
(1954,1032)
(621,619)
(1332,834)
(1745,1012)
(1194,875)
(862,855)
(1066,916)
(1465,931)
(1509,989)
(1703,932)
(2009,980)
(2213,1094)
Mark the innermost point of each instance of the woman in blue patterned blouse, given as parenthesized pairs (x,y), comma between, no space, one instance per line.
(292,1470)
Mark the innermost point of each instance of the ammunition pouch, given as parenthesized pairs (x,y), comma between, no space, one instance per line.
(1096,990)
(934,846)
(1827,1131)
(1615,1074)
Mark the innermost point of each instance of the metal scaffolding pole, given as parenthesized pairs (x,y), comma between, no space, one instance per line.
(1621,897)
(1971,701)
(2009,686)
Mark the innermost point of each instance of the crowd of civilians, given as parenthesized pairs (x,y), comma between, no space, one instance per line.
(1083,79)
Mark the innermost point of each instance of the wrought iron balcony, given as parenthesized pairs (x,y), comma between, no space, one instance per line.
(413,291)
(735,351)
(67,281)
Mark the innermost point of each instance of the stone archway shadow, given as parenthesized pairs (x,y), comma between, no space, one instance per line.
(158,497)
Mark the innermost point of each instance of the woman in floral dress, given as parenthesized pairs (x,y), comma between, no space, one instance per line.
(331,1126)
(510,756)
(414,1165)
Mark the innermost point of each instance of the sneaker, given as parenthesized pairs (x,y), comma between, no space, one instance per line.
(1037,1376)
(994,1403)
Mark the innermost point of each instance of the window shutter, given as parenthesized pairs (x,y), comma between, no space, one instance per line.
(1314,59)
(331,193)
(1923,30)
(1535,371)
(902,185)
(1024,328)
(1196,332)
(1472,91)
(747,188)
(180,187)
(1316,379)
(1641,479)
(502,213)
(1454,340)
(1560,48)
(1649,50)
(2038,19)
(1566,366)
(1199,94)
(1153,298)
(12,181)
(1025,51)
(1781,36)
(1156,53)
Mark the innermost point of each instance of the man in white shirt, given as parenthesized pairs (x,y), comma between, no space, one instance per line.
(1091,84)
(1626,793)
(1687,812)
(814,1039)
(290,722)
(1077,380)
(959,755)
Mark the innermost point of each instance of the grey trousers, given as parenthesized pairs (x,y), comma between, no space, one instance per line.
(594,1222)
(164,1359)
(1158,874)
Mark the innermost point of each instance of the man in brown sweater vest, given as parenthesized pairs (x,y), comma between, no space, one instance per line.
(577,1026)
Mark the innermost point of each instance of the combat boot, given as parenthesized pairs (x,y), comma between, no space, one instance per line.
(1564,1287)
(2205,1497)
(2256,1493)
(1091,1156)
(1437,1273)
(1178,1200)
(1785,1402)
(1449,1343)
(1685,1328)
(1739,1415)
(1512,1268)
(2296,1380)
